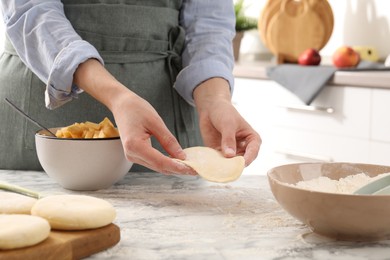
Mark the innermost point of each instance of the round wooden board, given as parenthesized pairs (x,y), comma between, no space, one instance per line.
(271,8)
(290,33)
(295,9)
(325,12)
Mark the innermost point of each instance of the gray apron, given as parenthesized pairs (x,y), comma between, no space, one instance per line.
(140,42)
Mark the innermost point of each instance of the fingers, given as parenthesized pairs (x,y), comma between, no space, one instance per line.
(141,152)
(241,139)
(156,161)
(168,141)
(252,150)
(155,126)
(228,143)
(248,148)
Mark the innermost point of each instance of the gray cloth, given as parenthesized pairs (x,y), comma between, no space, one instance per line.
(146,61)
(306,82)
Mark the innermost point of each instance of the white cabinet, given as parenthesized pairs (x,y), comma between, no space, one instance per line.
(306,145)
(336,110)
(343,123)
(380,127)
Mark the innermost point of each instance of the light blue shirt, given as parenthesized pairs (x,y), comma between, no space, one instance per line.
(33,25)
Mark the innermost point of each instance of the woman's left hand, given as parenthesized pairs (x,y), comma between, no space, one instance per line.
(222,127)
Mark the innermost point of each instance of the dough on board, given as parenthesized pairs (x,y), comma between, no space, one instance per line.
(211,165)
(74,212)
(13,203)
(20,230)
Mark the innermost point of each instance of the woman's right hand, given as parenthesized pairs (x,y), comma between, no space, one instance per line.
(137,122)
(136,119)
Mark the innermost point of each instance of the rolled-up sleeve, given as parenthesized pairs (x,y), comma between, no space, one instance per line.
(47,43)
(208,53)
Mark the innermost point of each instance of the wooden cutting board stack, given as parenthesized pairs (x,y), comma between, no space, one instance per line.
(288,27)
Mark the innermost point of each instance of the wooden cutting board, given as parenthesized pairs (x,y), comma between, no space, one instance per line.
(271,8)
(65,245)
(292,26)
(324,10)
(289,35)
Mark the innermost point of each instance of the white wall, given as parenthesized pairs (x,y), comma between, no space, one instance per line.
(356,22)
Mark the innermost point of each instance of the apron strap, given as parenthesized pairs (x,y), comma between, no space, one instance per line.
(184,118)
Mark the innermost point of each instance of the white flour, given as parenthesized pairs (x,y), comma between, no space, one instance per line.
(345,185)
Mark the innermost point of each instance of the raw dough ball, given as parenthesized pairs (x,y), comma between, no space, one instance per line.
(13,203)
(74,212)
(19,230)
(212,165)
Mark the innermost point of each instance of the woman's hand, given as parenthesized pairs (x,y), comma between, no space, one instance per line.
(136,119)
(222,127)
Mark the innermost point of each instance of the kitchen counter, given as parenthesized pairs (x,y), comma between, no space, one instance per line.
(170,217)
(377,79)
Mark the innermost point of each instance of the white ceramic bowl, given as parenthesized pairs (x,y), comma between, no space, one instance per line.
(336,215)
(82,164)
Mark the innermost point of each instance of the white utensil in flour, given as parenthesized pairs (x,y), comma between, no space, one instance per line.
(380,186)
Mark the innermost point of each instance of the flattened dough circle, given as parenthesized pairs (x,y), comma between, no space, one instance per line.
(211,165)
(20,230)
(74,212)
(13,203)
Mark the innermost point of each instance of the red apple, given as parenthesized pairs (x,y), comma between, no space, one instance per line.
(309,57)
(345,57)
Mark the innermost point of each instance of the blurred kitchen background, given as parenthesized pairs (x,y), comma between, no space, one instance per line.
(347,121)
(356,22)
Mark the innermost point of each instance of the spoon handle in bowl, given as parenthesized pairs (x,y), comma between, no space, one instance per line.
(27,116)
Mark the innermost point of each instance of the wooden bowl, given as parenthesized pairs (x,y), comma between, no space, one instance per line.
(335,215)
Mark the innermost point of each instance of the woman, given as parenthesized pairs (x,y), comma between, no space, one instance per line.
(146,62)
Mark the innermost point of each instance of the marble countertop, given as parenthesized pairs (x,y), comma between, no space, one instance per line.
(376,79)
(171,217)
